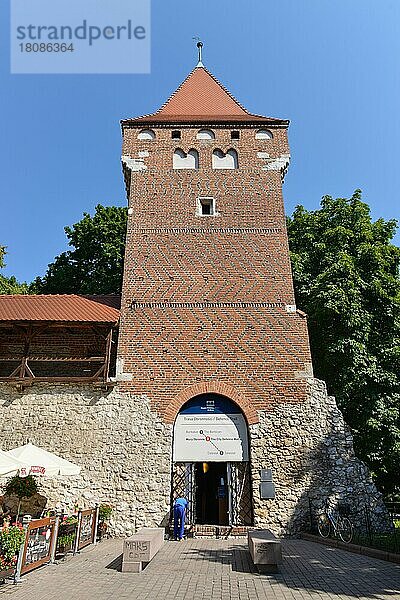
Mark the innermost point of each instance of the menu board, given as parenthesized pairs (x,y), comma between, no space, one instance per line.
(86,530)
(38,543)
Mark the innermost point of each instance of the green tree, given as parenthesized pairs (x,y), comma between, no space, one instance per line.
(346,277)
(95,264)
(9,285)
(22,487)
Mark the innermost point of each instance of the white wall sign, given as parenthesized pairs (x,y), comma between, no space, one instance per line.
(210,437)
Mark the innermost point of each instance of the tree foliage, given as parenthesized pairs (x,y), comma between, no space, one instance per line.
(95,264)
(9,285)
(346,277)
(22,487)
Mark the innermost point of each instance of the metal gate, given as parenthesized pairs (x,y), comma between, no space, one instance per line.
(184,485)
(240,497)
(240,504)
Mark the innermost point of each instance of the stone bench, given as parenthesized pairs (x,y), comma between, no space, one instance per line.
(140,548)
(265,550)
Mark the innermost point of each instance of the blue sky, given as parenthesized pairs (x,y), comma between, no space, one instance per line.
(330,66)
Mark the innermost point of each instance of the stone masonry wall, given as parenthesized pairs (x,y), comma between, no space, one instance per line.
(309,448)
(125,452)
(124,449)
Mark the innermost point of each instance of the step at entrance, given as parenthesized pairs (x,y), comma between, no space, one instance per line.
(218,531)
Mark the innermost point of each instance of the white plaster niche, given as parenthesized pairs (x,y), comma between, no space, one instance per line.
(205,134)
(221,160)
(264,134)
(183,160)
(290,308)
(146,134)
(134,164)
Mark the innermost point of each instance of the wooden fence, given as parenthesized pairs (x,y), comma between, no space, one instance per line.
(40,542)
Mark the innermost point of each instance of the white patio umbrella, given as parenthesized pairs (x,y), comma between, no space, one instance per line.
(10,466)
(41,462)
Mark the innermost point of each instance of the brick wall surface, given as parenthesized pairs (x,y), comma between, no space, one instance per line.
(204,297)
(161,196)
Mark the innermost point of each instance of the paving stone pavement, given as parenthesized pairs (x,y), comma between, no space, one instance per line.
(211,569)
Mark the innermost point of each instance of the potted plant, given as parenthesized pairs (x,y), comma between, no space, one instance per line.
(22,487)
(105,511)
(67,534)
(11,539)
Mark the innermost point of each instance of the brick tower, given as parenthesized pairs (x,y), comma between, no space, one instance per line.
(211,344)
(213,396)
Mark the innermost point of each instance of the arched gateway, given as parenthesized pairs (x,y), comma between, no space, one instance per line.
(210,461)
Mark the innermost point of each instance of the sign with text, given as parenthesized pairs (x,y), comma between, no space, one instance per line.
(38,543)
(210,429)
(87,528)
(80,36)
(136,550)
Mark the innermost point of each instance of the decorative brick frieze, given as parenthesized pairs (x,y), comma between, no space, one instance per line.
(205,230)
(135,305)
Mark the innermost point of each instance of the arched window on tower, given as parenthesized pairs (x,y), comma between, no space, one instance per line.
(221,160)
(264,134)
(183,160)
(205,134)
(146,134)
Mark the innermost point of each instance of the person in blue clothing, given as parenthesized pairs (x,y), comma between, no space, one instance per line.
(180,506)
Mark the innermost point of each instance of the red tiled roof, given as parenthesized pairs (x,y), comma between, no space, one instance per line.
(246,118)
(71,308)
(201,97)
(201,94)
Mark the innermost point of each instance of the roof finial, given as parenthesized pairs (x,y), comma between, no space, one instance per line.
(199,47)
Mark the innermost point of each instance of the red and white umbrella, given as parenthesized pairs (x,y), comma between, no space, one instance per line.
(38,461)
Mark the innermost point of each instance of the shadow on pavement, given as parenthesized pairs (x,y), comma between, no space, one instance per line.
(237,557)
(337,572)
(116,564)
(308,566)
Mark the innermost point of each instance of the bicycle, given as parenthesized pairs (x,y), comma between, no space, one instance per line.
(338,521)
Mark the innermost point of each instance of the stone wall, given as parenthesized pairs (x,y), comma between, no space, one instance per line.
(125,452)
(309,448)
(124,449)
